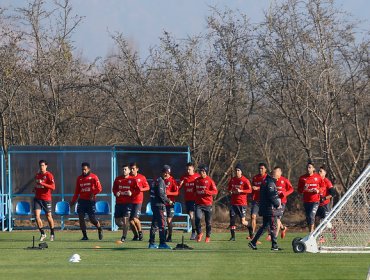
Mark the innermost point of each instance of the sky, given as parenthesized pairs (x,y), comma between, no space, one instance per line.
(143,21)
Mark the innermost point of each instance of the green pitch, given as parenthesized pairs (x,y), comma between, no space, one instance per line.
(219,259)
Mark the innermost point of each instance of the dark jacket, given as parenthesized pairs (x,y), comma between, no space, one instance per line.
(158,195)
(269,198)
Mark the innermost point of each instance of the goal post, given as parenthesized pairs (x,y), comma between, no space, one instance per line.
(346,229)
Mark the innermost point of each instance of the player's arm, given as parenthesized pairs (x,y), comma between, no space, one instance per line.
(98,187)
(247,187)
(273,194)
(144,186)
(76,194)
(49,184)
(212,190)
(161,192)
(301,185)
(173,190)
(288,189)
(115,189)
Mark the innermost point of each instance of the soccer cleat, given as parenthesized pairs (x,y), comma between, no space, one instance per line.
(232,238)
(42,237)
(199,237)
(268,238)
(85,238)
(136,238)
(208,239)
(123,239)
(164,246)
(252,246)
(141,236)
(193,236)
(152,246)
(52,237)
(283,232)
(100,234)
(276,249)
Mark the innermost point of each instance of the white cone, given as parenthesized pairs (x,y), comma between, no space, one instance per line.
(75,258)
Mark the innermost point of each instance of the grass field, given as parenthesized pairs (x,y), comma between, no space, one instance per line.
(219,259)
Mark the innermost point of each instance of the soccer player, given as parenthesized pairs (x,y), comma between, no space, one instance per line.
(256,184)
(158,200)
(124,188)
(137,201)
(326,193)
(205,188)
(239,186)
(309,185)
(87,187)
(43,189)
(187,183)
(269,199)
(284,189)
(172,190)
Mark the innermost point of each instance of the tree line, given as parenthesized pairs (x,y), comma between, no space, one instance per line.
(292,87)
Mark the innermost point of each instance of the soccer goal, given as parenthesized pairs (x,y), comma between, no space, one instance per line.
(346,229)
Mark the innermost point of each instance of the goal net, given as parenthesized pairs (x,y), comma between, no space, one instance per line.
(346,229)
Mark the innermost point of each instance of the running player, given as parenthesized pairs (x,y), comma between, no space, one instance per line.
(43,189)
(239,186)
(326,193)
(137,201)
(284,189)
(124,189)
(87,187)
(205,188)
(172,190)
(187,183)
(256,184)
(309,185)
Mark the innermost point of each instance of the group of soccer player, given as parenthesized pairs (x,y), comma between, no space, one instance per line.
(199,191)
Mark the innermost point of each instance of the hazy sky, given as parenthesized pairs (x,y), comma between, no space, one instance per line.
(143,21)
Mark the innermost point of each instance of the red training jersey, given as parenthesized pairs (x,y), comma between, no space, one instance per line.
(87,187)
(242,184)
(257,181)
(324,191)
(44,185)
(122,185)
(172,188)
(187,182)
(284,188)
(204,189)
(309,185)
(143,184)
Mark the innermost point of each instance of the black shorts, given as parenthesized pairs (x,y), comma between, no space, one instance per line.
(122,210)
(135,210)
(39,204)
(255,208)
(190,206)
(323,211)
(238,210)
(86,207)
(170,211)
(278,213)
(310,209)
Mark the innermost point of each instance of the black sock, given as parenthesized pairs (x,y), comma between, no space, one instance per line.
(250,230)
(84,233)
(99,228)
(52,231)
(193,231)
(42,231)
(232,231)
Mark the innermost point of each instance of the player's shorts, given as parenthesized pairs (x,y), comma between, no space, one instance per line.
(310,209)
(135,210)
(190,206)
(170,211)
(86,207)
(255,208)
(39,204)
(323,211)
(122,210)
(238,210)
(278,213)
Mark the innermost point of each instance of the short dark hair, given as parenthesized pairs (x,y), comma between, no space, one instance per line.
(323,167)
(134,164)
(125,165)
(277,167)
(262,164)
(189,164)
(43,161)
(310,162)
(85,164)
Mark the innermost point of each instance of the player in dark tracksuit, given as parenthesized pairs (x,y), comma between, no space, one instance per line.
(158,201)
(269,199)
